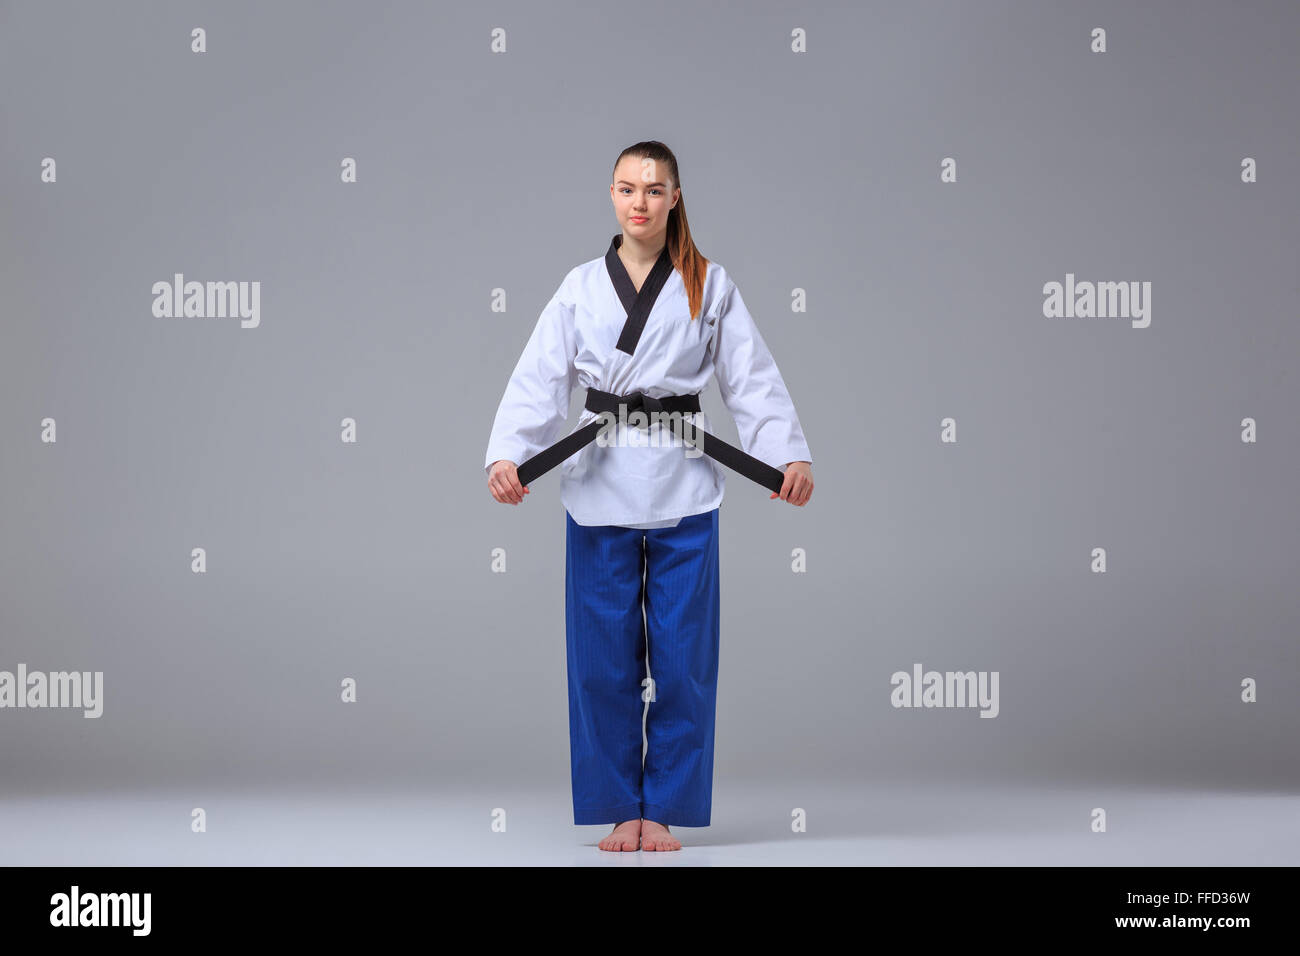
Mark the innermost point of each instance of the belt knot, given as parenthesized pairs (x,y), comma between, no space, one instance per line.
(639,401)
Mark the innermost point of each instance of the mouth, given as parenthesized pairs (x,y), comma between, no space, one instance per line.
(639,219)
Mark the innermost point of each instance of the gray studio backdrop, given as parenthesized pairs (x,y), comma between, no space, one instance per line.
(820,171)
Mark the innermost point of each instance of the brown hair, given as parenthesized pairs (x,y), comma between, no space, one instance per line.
(681,248)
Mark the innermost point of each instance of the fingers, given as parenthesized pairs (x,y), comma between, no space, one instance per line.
(804,492)
(515,486)
(504,493)
(796,489)
(504,485)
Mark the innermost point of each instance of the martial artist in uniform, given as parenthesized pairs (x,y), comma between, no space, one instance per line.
(641,503)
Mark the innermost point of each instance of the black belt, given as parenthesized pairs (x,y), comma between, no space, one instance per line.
(598,401)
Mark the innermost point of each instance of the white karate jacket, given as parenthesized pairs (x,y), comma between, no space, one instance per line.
(655,483)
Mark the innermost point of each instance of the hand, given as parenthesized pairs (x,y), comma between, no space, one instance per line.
(503,482)
(798,485)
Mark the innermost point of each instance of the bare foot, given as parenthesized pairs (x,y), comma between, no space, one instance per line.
(655,836)
(624,837)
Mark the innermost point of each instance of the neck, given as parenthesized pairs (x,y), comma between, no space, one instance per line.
(641,253)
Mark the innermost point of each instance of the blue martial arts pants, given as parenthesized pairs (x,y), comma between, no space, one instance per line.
(611,575)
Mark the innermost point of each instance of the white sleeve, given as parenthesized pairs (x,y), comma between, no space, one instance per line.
(535,405)
(752,388)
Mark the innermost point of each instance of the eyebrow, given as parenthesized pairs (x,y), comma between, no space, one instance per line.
(624,182)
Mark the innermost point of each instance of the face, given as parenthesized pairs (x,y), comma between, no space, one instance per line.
(642,195)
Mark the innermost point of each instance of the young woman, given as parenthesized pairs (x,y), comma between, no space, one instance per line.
(642,329)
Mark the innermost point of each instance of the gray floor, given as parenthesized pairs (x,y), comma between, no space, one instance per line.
(915,824)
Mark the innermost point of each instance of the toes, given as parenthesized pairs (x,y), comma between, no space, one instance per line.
(624,840)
